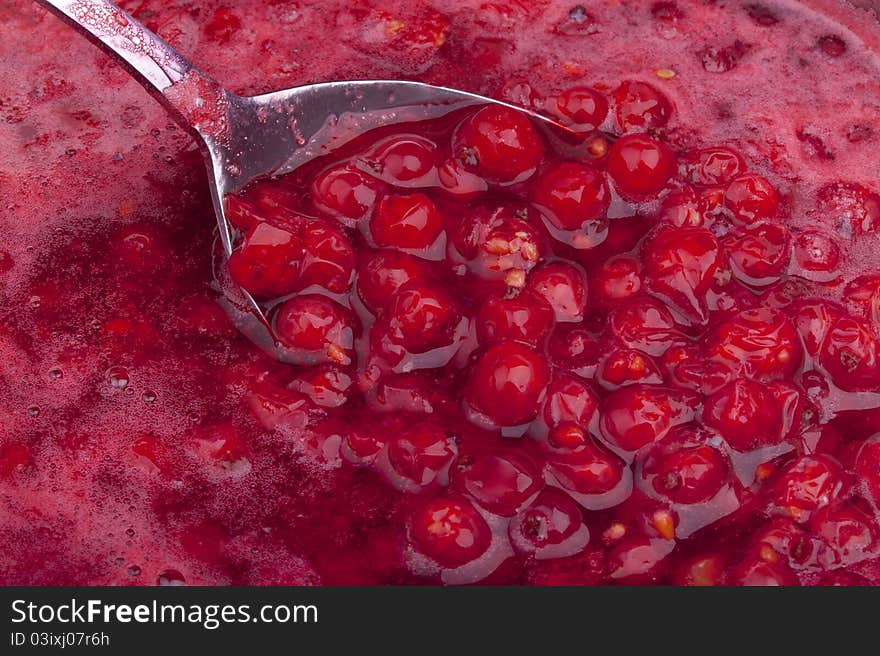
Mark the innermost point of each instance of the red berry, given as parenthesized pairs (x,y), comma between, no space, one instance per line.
(851,355)
(345,193)
(500,482)
(422,455)
(409,392)
(806,485)
(325,386)
(848,530)
(681,208)
(761,342)
(628,366)
(636,415)
(580,108)
(744,413)
(404,160)
(564,286)
(383,273)
(457,181)
(712,166)
(681,265)
(685,473)
(618,278)
(759,255)
(640,166)
(816,252)
(590,469)
(422,316)
(572,194)
(317,326)
(267,262)
(783,540)
(507,384)
(551,527)
(570,402)
(640,106)
(497,243)
(645,324)
(327,258)
(526,318)
(499,143)
(814,319)
(751,198)
(406,222)
(450,531)
(575,348)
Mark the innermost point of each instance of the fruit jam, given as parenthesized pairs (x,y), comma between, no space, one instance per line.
(646,350)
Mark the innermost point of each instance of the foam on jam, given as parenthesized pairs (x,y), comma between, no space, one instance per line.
(669,375)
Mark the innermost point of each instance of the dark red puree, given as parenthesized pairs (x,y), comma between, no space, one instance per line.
(647,352)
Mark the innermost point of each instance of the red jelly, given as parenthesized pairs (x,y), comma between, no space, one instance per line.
(645,349)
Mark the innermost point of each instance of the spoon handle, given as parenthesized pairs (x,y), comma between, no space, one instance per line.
(158,66)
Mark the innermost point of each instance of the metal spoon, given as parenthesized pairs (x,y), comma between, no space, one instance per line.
(250,137)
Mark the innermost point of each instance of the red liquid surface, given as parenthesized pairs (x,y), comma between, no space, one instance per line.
(702,407)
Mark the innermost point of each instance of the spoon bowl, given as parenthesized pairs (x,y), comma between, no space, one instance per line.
(245,138)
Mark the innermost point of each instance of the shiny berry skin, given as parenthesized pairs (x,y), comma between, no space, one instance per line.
(551,527)
(267,262)
(851,355)
(712,166)
(345,193)
(806,485)
(848,530)
(744,413)
(645,324)
(382,273)
(618,278)
(457,181)
(762,343)
(526,318)
(406,222)
(636,415)
(404,160)
(640,166)
(570,402)
(318,326)
(422,316)
(564,286)
(499,143)
(685,473)
(640,106)
(325,386)
(814,319)
(422,454)
(572,194)
(751,198)
(327,258)
(589,469)
(450,531)
(681,265)
(628,366)
(759,255)
(579,108)
(497,243)
(507,384)
(816,252)
(499,482)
